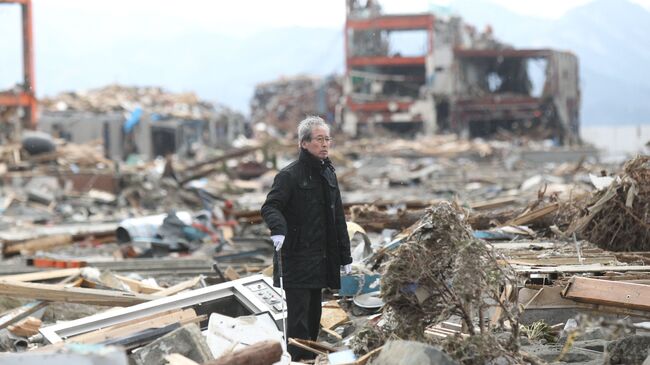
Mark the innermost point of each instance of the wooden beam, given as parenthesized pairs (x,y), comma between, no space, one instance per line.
(39,244)
(42,275)
(554,261)
(614,293)
(137,286)
(56,293)
(562,269)
(534,215)
(178,287)
(260,353)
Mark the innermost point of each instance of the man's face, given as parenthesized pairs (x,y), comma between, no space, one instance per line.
(320,142)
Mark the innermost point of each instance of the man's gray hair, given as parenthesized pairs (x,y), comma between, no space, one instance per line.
(306,126)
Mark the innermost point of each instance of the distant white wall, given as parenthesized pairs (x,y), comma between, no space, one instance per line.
(618,142)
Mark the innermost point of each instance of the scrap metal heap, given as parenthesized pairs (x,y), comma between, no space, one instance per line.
(461,80)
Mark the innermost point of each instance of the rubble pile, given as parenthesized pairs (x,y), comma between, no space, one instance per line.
(115,97)
(280,103)
(79,230)
(616,217)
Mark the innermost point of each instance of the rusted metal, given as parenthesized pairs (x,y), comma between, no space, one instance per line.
(26,98)
(394,22)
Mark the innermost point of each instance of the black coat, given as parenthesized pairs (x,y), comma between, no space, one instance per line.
(304,205)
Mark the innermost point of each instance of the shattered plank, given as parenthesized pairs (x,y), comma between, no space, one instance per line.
(622,294)
(56,293)
(178,287)
(534,215)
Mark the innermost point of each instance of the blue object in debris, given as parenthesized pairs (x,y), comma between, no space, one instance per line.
(493,235)
(356,284)
(132,120)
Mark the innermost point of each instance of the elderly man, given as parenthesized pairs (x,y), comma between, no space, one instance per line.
(304,212)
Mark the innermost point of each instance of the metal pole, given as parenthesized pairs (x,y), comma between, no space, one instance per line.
(284,315)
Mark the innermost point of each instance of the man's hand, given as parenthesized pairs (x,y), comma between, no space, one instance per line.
(278,240)
(347,268)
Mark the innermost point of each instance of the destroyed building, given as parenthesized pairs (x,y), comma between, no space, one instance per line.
(457,79)
(147,121)
(283,102)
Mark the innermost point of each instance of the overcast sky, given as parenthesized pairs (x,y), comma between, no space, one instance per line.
(105,23)
(159,17)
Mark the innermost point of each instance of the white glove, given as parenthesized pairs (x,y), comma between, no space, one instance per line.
(347,268)
(278,240)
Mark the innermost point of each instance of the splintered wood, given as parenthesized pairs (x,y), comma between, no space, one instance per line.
(333,315)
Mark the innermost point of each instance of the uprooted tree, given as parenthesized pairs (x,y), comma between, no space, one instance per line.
(440,271)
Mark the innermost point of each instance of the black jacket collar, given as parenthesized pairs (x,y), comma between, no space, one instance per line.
(313,161)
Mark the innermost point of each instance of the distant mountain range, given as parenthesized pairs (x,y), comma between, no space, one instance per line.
(611,38)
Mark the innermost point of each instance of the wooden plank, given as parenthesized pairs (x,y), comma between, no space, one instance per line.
(294,342)
(498,312)
(579,269)
(57,293)
(260,353)
(614,293)
(534,215)
(178,359)
(554,261)
(23,312)
(135,326)
(521,245)
(42,275)
(39,244)
(492,203)
(178,287)
(138,286)
(332,333)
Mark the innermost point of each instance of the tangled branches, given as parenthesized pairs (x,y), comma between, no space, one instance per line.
(616,218)
(442,271)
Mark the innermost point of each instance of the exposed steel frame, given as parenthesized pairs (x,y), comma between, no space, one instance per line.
(386,22)
(25,99)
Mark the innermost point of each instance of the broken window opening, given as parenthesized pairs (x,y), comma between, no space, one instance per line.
(510,75)
(407,43)
(376,83)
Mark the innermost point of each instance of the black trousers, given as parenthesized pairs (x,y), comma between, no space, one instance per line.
(303,319)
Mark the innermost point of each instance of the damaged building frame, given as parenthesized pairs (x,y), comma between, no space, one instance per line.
(526,91)
(461,81)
